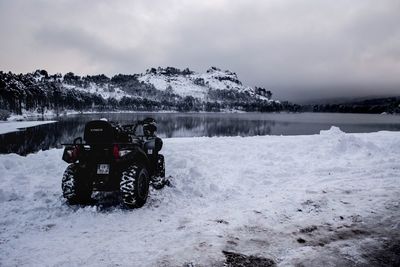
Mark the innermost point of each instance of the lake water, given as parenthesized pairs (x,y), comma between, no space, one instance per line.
(199,124)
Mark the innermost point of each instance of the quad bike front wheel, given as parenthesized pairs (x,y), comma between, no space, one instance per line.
(134,186)
(159,181)
(74,188)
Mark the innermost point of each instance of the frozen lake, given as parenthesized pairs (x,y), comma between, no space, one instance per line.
(200,124)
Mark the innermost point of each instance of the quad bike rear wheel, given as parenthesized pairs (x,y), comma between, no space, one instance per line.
(134,186)
(74,188)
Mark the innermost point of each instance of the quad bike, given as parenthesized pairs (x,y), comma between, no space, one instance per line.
(112,157)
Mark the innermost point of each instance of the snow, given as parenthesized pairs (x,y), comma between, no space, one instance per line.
(105,91)
(14,126)
(28,114)
(49,113)
(181,85)
(184,85)
(254,195)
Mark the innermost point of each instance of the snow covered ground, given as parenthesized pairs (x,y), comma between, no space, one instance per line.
(323,200)
(14,126)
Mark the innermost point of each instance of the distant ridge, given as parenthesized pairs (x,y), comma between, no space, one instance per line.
(389,105)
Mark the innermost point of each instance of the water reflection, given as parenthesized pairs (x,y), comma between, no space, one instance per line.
(188,125)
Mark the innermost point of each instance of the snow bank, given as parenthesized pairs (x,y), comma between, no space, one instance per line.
(14,126)
(296,200)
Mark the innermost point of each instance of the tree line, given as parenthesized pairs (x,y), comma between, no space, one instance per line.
(390,105)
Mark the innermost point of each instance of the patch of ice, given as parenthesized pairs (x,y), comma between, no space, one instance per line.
(14,126)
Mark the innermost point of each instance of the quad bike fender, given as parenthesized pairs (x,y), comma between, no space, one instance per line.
(137,155)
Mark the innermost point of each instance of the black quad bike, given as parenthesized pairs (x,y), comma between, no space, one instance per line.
(112,157)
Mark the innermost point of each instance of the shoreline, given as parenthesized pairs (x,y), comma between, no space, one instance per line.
(27,116)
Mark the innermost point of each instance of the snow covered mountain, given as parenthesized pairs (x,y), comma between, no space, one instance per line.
(157,89)
(198,85)
(183,83)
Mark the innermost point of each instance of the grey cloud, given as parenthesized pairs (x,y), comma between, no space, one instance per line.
(298,49)
(94,49)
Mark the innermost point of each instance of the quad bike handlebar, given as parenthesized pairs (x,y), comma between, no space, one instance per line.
(149,126)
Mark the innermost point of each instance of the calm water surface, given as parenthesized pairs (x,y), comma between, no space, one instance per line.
(199,124)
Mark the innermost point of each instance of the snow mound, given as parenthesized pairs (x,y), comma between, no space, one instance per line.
(332,131)
(291,199)
(355,145)
(338,142)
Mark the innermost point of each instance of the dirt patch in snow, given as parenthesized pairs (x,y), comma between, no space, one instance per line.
(239,260)
(387,254)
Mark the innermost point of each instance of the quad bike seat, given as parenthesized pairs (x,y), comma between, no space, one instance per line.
(104,132)
(98,132)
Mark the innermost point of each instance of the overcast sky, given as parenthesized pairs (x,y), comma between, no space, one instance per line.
(299,49)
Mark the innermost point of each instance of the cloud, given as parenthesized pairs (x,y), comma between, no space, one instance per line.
(298,49)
